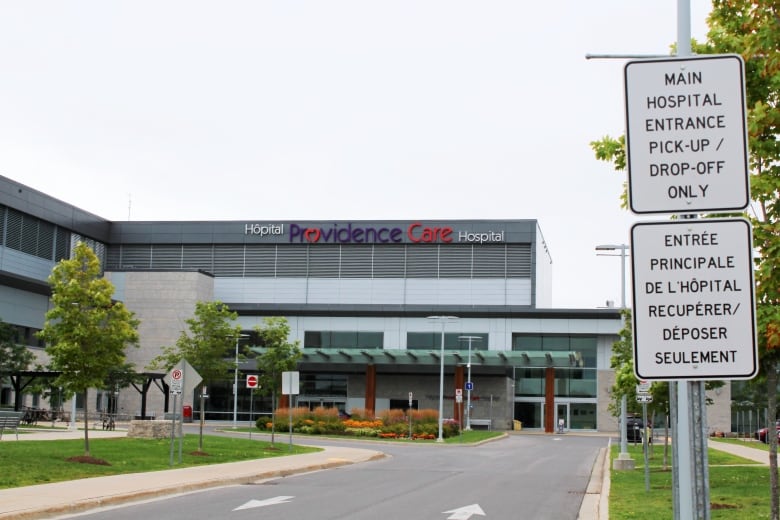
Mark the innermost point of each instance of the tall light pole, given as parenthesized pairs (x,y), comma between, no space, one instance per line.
(235,384)
(624,460)
(443,320)
(468,380)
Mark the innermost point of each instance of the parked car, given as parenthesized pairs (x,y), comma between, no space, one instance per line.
(761,434)
(634,429)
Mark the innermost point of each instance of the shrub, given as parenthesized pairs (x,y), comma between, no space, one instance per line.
(393,416)
(362,414)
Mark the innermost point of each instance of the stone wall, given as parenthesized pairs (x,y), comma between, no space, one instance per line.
(152,429)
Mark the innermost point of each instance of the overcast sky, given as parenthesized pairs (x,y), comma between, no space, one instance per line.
(276,110)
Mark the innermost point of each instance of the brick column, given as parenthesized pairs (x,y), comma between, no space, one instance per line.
(549,400)
(459,383)
(371,388)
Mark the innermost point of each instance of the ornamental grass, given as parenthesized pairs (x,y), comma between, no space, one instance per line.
(389,424)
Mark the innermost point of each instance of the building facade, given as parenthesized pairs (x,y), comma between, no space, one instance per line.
(367,300)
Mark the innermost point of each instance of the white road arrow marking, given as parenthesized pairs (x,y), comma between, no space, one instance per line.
(465,512)
(267,502)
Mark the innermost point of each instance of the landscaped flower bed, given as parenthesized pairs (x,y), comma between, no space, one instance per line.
(388,424)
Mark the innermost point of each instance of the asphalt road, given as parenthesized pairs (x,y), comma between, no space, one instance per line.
(520,477)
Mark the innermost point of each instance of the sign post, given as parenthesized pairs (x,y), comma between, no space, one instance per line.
(252,384)
(290,387)
(686,152)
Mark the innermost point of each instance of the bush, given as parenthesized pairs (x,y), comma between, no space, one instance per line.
(394,416)
(362,414)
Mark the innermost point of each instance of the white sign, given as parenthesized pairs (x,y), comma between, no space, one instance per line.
(184,377)
(290,383)
(644,398)
(643,387)
(694,307)
(176,386)
(686,134)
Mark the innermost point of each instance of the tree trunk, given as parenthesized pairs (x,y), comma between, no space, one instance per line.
(771,437)
(86,425)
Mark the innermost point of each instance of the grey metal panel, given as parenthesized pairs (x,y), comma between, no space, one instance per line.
(260,260)
(422,261)
(22,308)
(229,261)
(490,261)
(27,200)
(198,257)
(519,260)
(167,256)
(135,257)
(389,261)
(357,261)
(324,261)
(455,261)
(225,232)
(291,261)
(22,264)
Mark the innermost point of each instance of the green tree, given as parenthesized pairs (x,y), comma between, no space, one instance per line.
(85,331)
(208,347)
(751,28)
(277,355)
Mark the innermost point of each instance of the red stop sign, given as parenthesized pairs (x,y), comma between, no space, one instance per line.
(251,381)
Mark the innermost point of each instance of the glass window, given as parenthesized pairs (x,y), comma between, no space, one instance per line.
(575,382)
(529,382)
(585,346)
(582,416)
(452,341)
(342,339)
(323,385)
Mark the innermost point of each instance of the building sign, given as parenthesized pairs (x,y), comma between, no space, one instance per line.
(262,230)
(686,134)
(694,304)
(414,233)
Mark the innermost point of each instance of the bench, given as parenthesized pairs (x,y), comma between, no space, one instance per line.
(10,421)
(482,422)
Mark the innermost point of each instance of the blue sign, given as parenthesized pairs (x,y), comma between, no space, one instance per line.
(469,385)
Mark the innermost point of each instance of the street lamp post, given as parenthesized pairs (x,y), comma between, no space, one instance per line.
(468,380)
(623,458)
(235,384)
(443,320)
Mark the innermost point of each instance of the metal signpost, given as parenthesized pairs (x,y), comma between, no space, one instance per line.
(182,380)
(290,387)
(410,415)
(252,384)
(176,383)
(686,152)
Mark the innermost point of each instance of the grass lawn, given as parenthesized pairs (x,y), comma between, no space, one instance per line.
(26,463)
(739,488)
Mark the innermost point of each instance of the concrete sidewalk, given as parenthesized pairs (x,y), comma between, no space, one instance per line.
(742,450)
(46,500)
